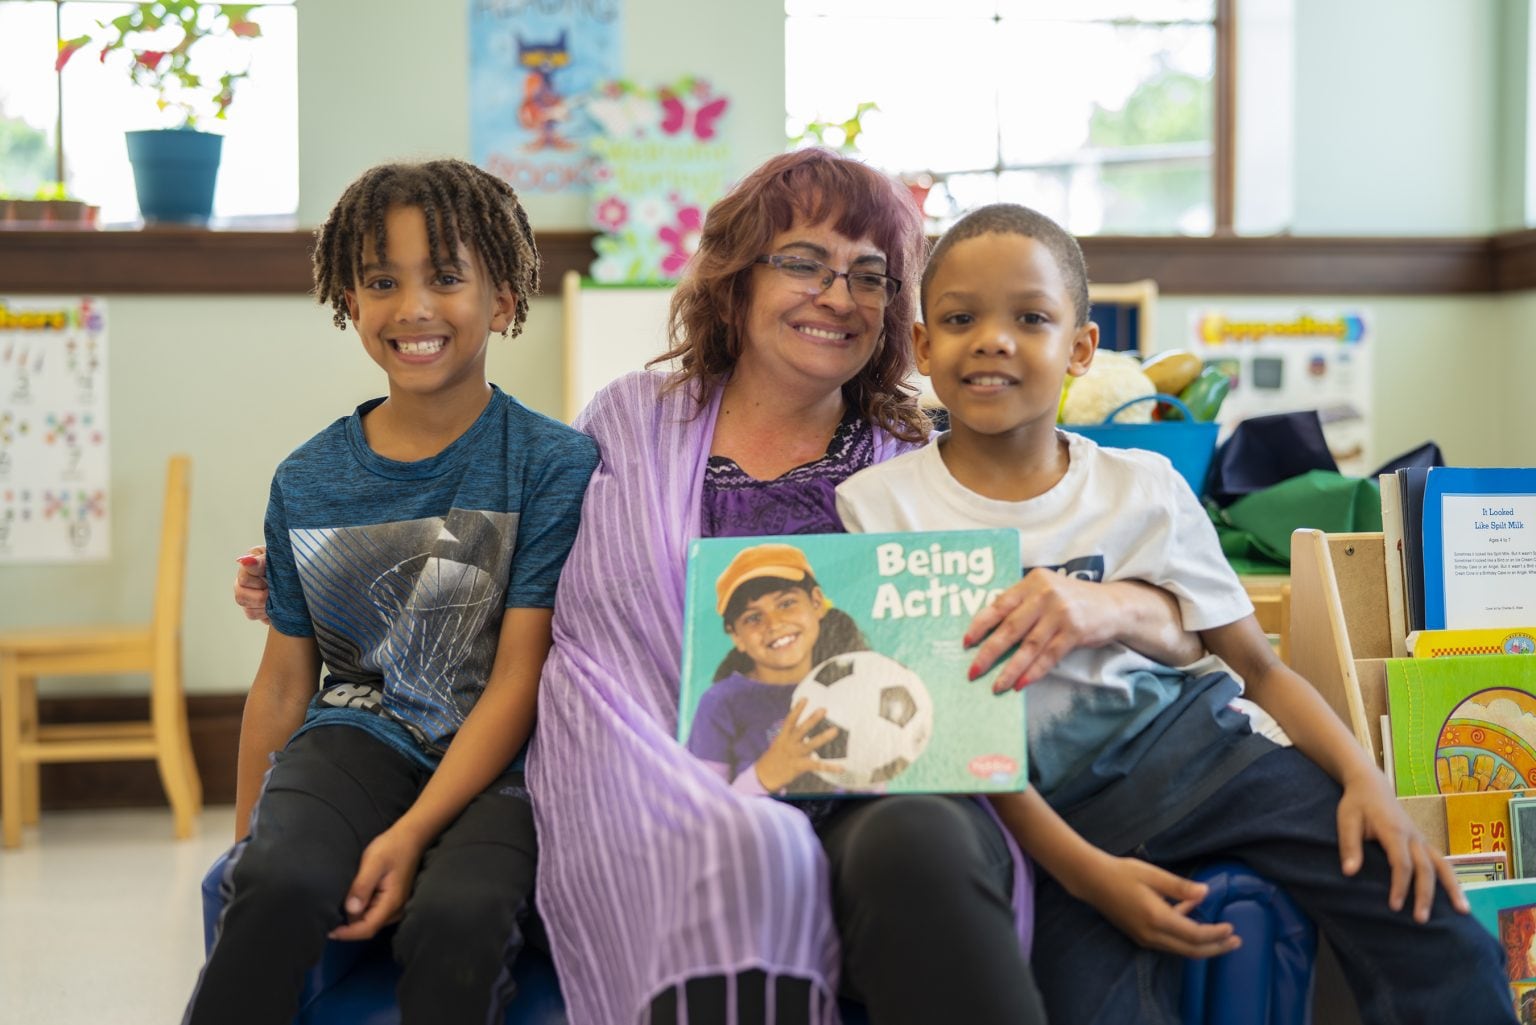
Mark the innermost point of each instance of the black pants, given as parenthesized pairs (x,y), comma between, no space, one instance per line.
(329,793)
(921,893)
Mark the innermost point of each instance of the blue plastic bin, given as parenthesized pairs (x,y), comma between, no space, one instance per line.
(1188,444)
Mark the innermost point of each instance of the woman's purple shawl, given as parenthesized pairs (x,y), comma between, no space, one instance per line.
(651,869)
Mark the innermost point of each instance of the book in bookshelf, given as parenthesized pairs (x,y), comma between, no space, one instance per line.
(867,631)
(1501,640)
(1462,724)
(1478,823)
(1507,909)
(1479,542)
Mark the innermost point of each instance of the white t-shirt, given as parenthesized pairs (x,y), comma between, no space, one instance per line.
(1117,514)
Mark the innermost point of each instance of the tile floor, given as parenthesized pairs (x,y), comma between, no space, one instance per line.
(100,918)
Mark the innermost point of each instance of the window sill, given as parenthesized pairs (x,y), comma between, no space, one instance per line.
(181,261)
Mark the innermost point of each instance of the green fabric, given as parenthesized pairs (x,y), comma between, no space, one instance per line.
(1255,531)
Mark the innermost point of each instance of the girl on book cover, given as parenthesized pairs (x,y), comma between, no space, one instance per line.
(781,624)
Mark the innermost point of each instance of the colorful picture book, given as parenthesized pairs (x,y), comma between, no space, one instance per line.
(1462,723)
(867,631)
(1495,641)
(1507,909)
(1478,823)
(1479,547)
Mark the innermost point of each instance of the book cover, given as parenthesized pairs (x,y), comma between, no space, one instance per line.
(1492,641)
(1411,481)
(1479,868)
(1479,547)
(1478,823)
(867,631)
(1462,723)
(1507,909)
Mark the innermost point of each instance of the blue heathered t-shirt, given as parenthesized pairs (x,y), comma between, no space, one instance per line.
(401,571)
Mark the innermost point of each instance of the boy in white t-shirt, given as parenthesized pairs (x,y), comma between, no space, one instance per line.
(1153,767)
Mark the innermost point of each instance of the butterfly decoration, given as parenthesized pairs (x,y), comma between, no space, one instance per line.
(678,118)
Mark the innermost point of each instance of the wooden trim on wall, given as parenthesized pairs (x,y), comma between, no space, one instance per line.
(215,728)
(185,261)
(1224,112)
(166,262)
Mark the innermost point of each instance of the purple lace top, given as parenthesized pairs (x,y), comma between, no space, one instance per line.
(801,501)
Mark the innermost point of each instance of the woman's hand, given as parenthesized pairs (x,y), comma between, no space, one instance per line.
(1047,614)
(383,882)
(793,751)
(1152,906)
(1368,811)
(251,584)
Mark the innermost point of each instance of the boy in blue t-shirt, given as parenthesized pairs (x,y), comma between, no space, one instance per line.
(413,548)
(1154,770)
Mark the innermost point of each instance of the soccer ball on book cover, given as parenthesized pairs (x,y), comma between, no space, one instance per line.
(883,713)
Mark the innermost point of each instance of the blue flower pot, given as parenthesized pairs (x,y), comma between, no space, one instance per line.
(174,170)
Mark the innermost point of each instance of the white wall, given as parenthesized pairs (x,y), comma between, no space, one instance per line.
(1397,117)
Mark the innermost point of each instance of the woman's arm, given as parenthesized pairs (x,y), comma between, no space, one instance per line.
(1048,614)
(285,682)
(1368,810)
(491,736)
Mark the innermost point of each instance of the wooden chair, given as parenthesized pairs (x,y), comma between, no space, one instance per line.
(153,649)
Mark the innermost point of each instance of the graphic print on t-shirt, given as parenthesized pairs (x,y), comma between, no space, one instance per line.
(413,608)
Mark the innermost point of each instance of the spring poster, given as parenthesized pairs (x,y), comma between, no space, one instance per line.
(533,64)
(54,469)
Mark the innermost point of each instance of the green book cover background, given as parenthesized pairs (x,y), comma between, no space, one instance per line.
(1463,723)
(912,596)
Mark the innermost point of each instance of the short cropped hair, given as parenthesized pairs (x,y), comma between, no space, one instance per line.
(708,320)
(1013,219)
(461,203)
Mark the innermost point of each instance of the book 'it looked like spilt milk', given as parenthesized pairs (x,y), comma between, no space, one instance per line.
(867,628)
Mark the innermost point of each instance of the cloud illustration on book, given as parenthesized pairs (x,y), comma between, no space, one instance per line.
(882,711)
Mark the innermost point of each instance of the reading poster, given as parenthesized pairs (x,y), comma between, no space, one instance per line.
(531,68)
(1285,360)
(53,429)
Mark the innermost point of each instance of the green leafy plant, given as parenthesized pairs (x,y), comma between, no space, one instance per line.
(158,39)
(842,136)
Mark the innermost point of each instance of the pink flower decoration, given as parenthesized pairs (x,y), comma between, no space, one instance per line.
(612,213)
(681,240)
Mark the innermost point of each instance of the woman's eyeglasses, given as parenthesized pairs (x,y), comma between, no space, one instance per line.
(868,288)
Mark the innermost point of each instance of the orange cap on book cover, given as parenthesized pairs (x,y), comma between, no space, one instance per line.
(784,562)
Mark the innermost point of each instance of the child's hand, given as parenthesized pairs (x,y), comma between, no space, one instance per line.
(384,879)
(793,751)
(251,584)
(1046,614)
(1369,811)
(1152,907)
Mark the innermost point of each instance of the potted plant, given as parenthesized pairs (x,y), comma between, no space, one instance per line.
(174,169)
(50,207)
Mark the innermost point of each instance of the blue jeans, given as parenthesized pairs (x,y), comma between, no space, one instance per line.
(1278,816)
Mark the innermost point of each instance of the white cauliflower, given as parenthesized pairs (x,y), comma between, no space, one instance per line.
(1113,378)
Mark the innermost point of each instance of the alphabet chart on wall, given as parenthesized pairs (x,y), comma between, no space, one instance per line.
(54,469)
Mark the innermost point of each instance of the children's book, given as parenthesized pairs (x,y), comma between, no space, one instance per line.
(1462,723)
(1411,481)
(864,634)
(1496,641)
(1478,824)
(1507,909)
(1479,868)
(1479,548)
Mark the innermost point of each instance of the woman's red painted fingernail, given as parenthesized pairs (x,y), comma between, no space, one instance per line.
(246,560)
(972,673)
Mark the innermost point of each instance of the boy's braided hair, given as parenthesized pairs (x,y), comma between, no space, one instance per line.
(461,203)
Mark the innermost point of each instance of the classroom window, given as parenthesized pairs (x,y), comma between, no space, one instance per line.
(1100,113)
(69,126)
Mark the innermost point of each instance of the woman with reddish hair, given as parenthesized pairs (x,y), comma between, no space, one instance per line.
(674,896)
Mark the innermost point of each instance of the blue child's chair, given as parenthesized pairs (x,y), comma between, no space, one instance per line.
(1267,981)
